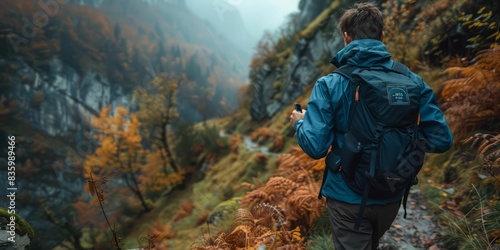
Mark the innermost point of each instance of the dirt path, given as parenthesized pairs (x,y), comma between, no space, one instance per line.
(416,232)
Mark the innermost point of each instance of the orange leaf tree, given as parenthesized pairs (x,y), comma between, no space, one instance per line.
(120,151)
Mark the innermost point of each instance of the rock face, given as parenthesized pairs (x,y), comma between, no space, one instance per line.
(14,237)
(68,97)
(302,69)
(20,242)
(56,101)
(310,9)
(309,55)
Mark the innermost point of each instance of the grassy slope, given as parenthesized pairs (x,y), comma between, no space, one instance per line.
(221,182)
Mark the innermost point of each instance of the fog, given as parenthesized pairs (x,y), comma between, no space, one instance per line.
(244,21)
(260,15)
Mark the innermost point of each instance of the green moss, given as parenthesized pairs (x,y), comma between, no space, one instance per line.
(284,56)
(311,29)
(22,227)
(277,85)
(278,97)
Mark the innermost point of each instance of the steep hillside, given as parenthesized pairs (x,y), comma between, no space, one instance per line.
(62,62)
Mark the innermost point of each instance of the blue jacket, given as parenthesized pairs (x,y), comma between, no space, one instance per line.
(328,111)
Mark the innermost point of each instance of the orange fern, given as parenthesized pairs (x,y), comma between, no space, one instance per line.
(264,135)
(486,148)
(202,218)
(275,214)
(186,208)
(260,157)
(470,98)
(235,141)
(293,188)
(161,231)
(262,226)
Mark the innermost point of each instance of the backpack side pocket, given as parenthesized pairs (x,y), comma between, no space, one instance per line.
(350,154)
(332,160)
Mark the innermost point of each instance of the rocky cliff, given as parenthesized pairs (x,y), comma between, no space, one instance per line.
(58,99)
(277,86)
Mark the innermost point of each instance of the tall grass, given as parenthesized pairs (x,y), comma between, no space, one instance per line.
(478,227)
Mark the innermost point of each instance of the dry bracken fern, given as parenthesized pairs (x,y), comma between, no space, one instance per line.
(470,98)
(243,217)
(264,135)
(277,214)
(294,188)
(161,231)
(261,227)
(486,148)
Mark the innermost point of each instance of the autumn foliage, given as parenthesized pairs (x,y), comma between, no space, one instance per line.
(470,101)
(486,149)
(120,152)
(159,232)
(124,49)
(397,36)
(287,205)
(235,141)
(294,187)
(253,229)
(265,135)
(470,97)
(157,110)
(185,209)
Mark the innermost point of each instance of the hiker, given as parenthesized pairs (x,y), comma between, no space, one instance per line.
(337,116)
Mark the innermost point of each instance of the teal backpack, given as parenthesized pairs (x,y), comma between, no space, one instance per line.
(381,153)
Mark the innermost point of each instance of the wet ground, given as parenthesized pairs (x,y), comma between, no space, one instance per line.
(416,232)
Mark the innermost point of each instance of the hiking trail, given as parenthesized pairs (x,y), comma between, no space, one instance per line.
(416,232)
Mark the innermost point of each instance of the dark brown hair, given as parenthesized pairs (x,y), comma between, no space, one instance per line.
(364,20)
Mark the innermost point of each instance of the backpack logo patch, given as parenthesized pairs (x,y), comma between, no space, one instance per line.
(397,95)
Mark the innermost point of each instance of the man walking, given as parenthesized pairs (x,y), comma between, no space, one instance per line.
(327,120)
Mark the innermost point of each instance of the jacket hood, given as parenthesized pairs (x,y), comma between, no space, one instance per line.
(362,52)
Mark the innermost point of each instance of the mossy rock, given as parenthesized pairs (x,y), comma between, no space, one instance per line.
(22,227)
(222,215)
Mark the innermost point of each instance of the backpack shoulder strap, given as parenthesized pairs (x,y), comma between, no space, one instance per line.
(401,68)
(346,71)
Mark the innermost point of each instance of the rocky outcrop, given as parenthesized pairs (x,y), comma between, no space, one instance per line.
(55,106)
(59,99)
(15,232)
(302,68)
(309,10)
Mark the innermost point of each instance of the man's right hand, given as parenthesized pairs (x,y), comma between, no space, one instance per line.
(295,116)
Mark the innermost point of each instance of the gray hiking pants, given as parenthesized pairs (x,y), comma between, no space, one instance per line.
(376,220)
